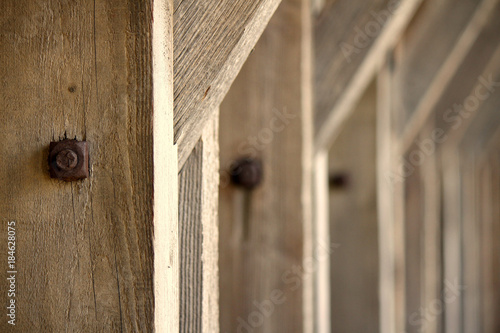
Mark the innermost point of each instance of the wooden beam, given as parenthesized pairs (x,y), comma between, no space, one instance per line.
(469,126)
(198,235)
(341,45)
(339,84)
(99,254)
(434,77)
(266,233)
(212,40)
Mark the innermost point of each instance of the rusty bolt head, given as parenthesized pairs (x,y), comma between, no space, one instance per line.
(246,173)
(69,160)
(66,159)
(340,180)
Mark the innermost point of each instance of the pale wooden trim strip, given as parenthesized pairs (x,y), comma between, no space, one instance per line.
(199,235)
(166,270)
(322,293)
(210,225)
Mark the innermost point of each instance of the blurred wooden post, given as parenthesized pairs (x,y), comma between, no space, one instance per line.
(266,257)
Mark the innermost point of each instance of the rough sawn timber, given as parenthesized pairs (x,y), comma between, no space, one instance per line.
(212,40)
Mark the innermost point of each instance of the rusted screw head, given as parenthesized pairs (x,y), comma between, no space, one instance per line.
(69,160)
(66,159)
(247,173)
(339,180)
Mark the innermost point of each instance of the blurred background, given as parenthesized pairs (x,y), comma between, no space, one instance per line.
(405,129)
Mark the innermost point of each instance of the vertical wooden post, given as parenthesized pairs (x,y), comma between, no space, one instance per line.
(386,184)
(452,231)
(99,254)
(266,257)
(432,234)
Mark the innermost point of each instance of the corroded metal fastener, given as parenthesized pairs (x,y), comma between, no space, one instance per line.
(339,180)
(69,160)
(246,173)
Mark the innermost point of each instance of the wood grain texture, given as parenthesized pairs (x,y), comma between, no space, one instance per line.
(210,223)
(263,233)
(212,41)
(354,267)
(84,249)
(190,242)
(198,235)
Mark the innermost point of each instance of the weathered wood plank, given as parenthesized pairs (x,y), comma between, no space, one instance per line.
(85,250)
(212,41)
(354,267)
(191,242)
(264,233)
(198,235)
(339,83)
